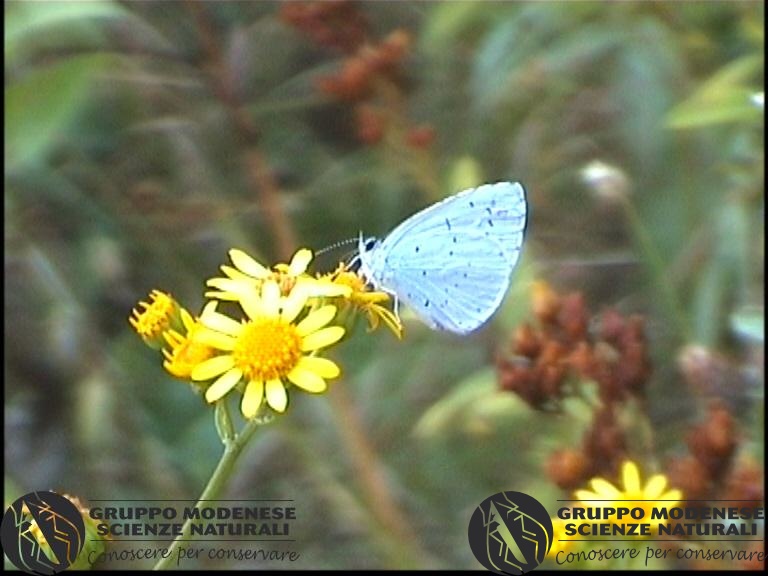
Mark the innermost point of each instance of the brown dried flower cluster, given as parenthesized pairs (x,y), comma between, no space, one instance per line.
(711,471)
(360,71)
(335,24)
(546,358)
(549,358)
(370,73)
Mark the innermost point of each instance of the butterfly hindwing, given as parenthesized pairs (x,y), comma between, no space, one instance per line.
(452,261)
(454,286)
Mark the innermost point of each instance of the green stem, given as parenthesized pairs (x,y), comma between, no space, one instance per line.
(659,272)
(232,450)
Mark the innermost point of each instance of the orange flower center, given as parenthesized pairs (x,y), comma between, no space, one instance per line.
(186,354)
(155,318)
(267,349)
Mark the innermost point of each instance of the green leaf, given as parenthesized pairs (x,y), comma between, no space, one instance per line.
(40,106)
(447,20)
(36,22)
(725,97)
(477,397)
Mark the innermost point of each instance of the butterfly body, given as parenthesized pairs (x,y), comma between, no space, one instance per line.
(451,263)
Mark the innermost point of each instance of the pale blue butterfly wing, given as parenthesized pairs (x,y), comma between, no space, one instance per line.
(451,263)
(457,293)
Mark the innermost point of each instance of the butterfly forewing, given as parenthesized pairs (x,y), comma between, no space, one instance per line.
(452,261)
(499,210)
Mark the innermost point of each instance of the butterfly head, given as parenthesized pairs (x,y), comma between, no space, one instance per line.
(362,261)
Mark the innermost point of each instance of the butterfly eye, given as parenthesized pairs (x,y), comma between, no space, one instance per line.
(371,243)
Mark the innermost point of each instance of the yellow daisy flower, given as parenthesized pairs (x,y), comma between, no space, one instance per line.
(560,540)
(653,494)
(367,301)
(268,351)
(185,351)
(151,319)
(248,274)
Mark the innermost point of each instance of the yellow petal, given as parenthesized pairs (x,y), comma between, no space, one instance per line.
(212,367)
(214,339)
(187,319)
(252,305)
(631,477)
(218,389)
(585,495)
(225,296)
(320,366)
(316,320)
(173,339)
(208,309)
(234,286)
(322,338)
(293,304)
(318,288)
(307,380)
(254,394)
(277,398)
(246,264)
(221,323)
(604,490)
(270,299)
(392,321)
(675,495)
(655,486)
(234,273)
(299,262)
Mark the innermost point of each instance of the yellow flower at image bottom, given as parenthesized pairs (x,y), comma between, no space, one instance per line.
(652,494)
(269,350)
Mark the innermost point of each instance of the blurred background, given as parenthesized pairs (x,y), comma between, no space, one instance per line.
(143,140)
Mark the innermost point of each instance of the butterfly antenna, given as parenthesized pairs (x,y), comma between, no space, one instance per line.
(336,245)
(348,256)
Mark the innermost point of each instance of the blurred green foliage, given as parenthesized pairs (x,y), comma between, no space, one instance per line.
(126,170)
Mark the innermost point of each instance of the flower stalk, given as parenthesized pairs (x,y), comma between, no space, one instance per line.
(232,450)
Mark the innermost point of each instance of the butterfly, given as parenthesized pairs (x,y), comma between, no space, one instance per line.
(452,262)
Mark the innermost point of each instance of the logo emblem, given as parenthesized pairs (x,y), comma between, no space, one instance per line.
(510,533)
(42,533)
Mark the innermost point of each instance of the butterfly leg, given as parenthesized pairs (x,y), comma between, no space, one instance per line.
(395,299)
